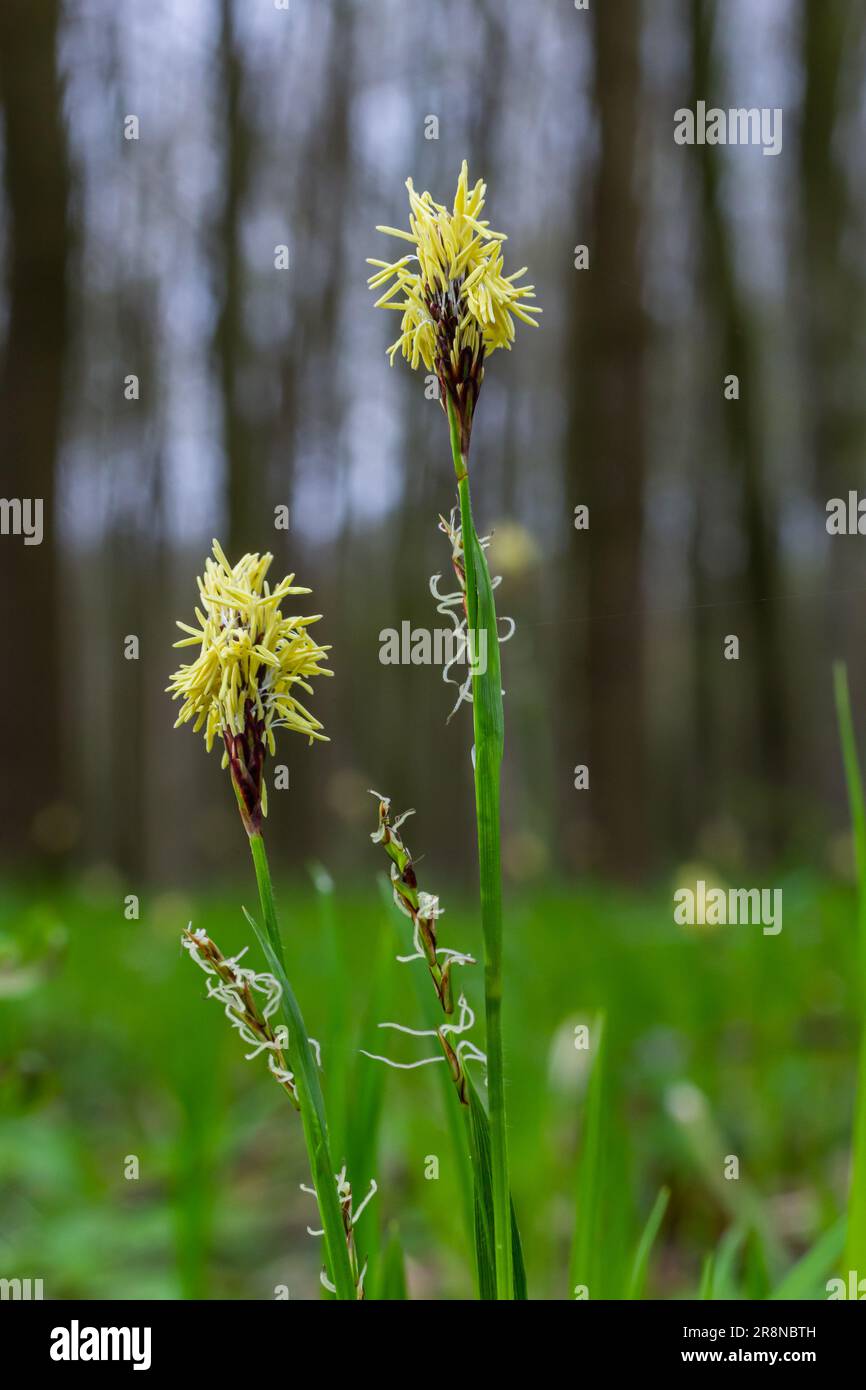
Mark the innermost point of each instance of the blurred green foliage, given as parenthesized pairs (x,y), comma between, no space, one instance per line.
(717,1042)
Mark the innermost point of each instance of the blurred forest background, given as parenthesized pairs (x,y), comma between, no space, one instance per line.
(154,257)
(261,387)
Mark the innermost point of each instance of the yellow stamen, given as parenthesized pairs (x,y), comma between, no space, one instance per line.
(250,655)
(459,264)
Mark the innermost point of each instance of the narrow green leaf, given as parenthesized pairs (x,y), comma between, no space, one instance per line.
(856,1241)
(454,1111)
(369,1079)
(725,1262)
(392,1282)
(806,1279)
(637,1279)
(335,1080)
(744,1202)
(479,1130)
(365,1105)
(586,1254)
(489,723)
(756,1272)
(707,1277)
(313,1120)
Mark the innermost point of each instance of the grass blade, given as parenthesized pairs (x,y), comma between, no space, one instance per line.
(804,1281)
(392,1281)
(453,1111)
(756,1269)
(637,1279)
(586,1249)
(707,1277)
(725,1261)
(366,1101)
(489,726)
(335,1081)
(479,1131)
(312,1110)
(856,1239)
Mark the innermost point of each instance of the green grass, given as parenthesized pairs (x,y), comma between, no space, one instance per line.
(493,1184)
(110,1049)
(855,1254)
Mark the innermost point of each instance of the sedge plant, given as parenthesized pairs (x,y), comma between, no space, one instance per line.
(423,910)
(855,1250)
(472,1133)
(457,307)
(242,687)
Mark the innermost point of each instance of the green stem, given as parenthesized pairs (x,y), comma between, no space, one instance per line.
(309,1089)
(266,896)
(488,720)
(856,1236)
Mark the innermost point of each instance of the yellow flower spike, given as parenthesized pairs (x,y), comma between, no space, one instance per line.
(457,306)
(240,686)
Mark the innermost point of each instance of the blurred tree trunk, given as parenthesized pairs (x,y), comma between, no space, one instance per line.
(829,284)
(832,292)
(705,793)
(31,397)
(314,390)
(830,300)
(243,489)
(606,455)
(744,444)
(136,548)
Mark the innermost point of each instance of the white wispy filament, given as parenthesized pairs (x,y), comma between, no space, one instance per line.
(351,1216)
(230,995)
(453,606)
(465,1049)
